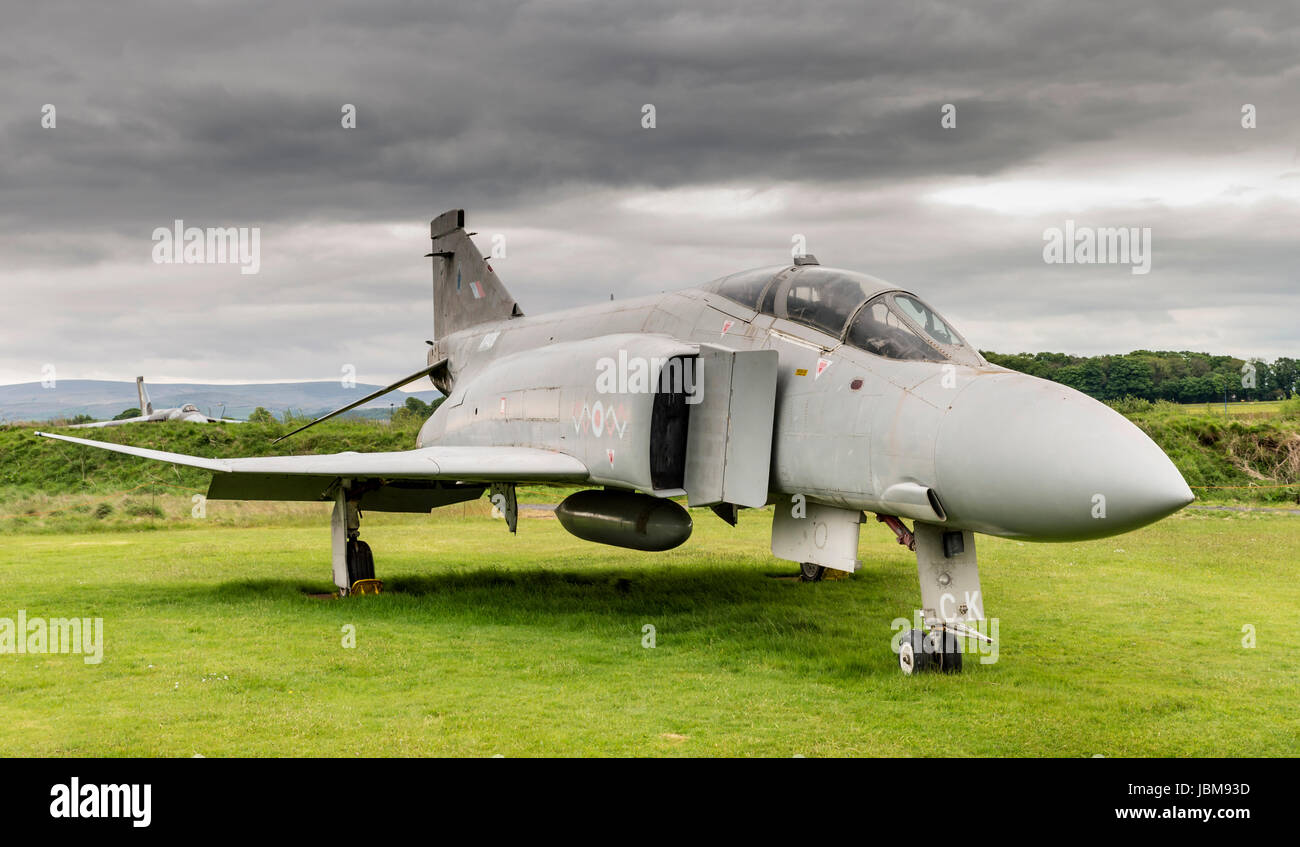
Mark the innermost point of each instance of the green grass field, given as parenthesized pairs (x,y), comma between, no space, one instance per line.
(532,645)
(1238,408)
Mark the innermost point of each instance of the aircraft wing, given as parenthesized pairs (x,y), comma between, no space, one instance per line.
(98,424)
(412,474)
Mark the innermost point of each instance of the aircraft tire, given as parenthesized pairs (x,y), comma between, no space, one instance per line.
(361,561)
(913,657)
(950,656)
(808,572)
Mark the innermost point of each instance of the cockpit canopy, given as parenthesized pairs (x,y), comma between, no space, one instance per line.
(860,310)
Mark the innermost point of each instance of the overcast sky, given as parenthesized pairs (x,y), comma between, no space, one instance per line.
(772,120)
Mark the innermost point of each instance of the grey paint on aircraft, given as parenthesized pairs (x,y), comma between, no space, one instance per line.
(828,392)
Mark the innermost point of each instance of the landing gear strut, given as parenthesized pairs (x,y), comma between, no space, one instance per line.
(354,564)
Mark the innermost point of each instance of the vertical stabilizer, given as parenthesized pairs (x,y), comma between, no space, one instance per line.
(466,290)
(146,405)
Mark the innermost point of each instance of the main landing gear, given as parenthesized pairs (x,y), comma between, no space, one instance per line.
(818,537)
(809,572)
(354,563)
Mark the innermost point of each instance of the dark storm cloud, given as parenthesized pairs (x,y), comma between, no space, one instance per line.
(229,113)
(226,107)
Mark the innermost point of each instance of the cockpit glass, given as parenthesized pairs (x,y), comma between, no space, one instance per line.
(824,304)
(825,299)
(881,330)
(890,324)
(924,317)
(745,287)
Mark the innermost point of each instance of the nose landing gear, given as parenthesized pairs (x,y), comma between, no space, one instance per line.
(950,596)
(936,650)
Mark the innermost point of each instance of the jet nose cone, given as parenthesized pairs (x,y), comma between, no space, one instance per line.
(1025,457)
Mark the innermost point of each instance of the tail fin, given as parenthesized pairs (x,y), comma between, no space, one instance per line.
(466,291)
(146,405)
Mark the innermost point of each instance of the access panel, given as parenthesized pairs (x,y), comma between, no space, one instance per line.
(729,439)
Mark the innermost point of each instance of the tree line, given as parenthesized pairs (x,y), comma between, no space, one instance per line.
(1179,377)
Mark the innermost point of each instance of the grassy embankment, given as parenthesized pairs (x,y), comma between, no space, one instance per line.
(49,486)
(1246,456)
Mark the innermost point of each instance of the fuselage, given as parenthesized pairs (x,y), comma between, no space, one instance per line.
(919,426)
(188,412)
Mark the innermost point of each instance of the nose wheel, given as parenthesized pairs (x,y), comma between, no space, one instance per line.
(936,650)
(912,657)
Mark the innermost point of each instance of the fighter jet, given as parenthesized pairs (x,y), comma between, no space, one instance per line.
(824,393)
(188,412)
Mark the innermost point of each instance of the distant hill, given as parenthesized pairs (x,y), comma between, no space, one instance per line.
(102,399)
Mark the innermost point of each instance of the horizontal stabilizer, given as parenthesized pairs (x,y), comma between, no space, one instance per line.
(406,380)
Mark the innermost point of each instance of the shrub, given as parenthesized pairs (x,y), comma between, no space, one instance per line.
(144,510)
(1130,405)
